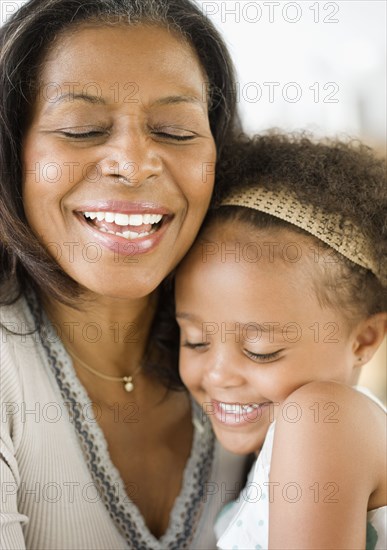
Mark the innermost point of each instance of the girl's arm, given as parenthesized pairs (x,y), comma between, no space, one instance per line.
(325,465)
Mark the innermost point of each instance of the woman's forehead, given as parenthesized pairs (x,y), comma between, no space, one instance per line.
(121,48)
(121,63)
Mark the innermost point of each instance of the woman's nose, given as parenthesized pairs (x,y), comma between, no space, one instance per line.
(132,159)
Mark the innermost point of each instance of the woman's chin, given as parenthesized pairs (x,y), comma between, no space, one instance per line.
(130,292)
(119,287)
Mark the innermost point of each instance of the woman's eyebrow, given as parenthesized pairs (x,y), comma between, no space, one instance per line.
(83,97)
(99,100)
(178,99)
(170,100)
(71,97)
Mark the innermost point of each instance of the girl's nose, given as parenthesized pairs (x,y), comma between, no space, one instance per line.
(223,372)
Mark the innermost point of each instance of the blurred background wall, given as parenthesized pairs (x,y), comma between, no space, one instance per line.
(309,64)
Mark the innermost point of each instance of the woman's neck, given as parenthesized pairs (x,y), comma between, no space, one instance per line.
(107,333)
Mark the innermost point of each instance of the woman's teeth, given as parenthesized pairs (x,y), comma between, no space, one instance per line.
(128,234)
(124,220)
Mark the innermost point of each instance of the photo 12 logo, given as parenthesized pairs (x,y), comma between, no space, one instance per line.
(8,8)
(271,12)
(275,91)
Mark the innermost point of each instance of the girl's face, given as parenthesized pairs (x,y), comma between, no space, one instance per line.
(118,157)
(252,330)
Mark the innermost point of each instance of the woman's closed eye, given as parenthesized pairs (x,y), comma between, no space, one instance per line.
(83,132)
(199,346)
(173,133)
(263,357)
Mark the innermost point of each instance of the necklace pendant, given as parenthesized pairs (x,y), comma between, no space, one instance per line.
(128,386)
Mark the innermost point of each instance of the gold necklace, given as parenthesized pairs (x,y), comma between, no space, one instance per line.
(126,380)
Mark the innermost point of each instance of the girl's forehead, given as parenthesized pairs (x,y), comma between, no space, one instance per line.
(242,231)
(248,248)
(231,250)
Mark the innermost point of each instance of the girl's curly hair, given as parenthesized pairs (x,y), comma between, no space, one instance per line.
(339,177)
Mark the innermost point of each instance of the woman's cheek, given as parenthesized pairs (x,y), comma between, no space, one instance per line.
(195,168)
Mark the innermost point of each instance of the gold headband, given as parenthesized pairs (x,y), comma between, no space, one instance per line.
(333,229)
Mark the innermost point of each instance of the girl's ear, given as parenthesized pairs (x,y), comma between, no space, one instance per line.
(368,336)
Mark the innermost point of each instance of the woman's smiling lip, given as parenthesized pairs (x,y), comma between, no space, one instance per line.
(236,413)
(122,245)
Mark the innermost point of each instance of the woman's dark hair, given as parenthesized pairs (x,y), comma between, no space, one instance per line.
(24,41)
(345,178)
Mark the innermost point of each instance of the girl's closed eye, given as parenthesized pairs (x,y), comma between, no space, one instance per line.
(263,357)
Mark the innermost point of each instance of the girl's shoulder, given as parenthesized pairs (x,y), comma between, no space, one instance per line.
(338,430)
(335,392)
(329,462)
(333,410)
(330,402)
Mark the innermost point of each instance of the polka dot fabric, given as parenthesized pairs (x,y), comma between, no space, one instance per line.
(245,525)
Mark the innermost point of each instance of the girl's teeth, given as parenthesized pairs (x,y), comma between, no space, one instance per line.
(235,408)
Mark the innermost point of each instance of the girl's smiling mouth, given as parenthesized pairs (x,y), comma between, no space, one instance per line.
(237,414)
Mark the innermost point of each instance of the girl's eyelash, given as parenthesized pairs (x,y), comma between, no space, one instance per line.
(263,356)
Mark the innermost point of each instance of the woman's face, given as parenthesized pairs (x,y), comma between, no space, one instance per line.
(118,158)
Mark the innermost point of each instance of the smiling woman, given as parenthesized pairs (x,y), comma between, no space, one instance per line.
(113,114)
(137,156)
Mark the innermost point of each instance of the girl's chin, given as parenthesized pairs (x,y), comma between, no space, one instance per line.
(240,445)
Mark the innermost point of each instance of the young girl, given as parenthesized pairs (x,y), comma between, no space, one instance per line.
(280,302)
